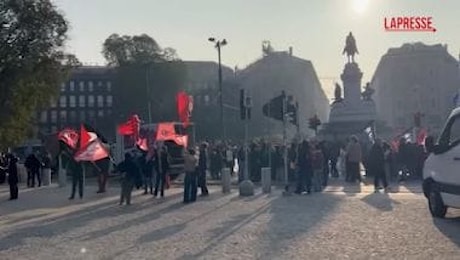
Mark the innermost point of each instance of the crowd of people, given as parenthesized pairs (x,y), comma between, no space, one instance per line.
(35,164)
(310,164)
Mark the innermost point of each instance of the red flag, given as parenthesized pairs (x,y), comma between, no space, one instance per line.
(69,137)
(95,151)
(421,136)
(184,106)
(86,137)
(130,127)
(181,140)
(165,131)
(142,144)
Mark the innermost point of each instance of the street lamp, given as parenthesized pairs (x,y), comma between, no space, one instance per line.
(218,44)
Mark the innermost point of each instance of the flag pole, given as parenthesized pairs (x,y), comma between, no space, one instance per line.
(286,175)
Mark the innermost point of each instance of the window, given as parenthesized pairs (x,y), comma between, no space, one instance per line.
(53,102)
(91,115)
(100,101)
(109,112)
(62,87)
(72,101)
(91,101)
(82,86)
(53,129)
(454,131)
(82,116)
(53,116)
(63,116)
(72,86)
(100,113)
(90,87)
(109,86)
(73,116)
(109,101)
(43,117)
(81,101)
(206,99)
(62,101)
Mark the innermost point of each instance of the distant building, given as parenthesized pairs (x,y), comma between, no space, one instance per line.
(202,83)
(269,76)
(204,75)
(85,98)
(415,78)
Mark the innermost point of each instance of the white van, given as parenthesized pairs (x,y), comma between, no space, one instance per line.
(441,172)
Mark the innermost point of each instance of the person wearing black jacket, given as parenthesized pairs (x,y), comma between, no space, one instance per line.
(33,166)
(131,177)
(13,179)
(377,165)
(202,166)
(150,163)
(160,180)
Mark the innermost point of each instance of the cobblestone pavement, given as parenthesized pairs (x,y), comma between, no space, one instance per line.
(340,223)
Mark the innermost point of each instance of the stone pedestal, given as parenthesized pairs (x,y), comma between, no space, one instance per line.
(353,114)
(22,173)
(246,188)
(62,174)
(266,180)
(351,78)
(226,180)
(46,177)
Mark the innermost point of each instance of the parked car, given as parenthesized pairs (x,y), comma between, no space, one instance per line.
(441,171)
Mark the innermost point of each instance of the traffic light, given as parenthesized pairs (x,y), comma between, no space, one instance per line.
(274,107)
(248,105)
(292,114)
(245,105)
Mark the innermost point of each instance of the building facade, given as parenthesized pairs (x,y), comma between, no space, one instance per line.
(268,77)
(85,98)
(202,83)
(415,78)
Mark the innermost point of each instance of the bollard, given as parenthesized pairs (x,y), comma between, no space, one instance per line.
(46,177)
(22,173)
(226,180)
(266,179)
(62,174)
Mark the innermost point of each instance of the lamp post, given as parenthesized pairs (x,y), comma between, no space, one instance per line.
(218,45)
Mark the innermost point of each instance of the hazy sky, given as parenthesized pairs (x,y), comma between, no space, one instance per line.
(316,29)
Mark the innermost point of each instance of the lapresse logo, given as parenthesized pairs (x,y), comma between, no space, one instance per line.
(409,24)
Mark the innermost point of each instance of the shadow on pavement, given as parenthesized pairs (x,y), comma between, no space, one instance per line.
(292,217)
(450,227)
(227,229)
(165,232)
(380,201)
(57,225)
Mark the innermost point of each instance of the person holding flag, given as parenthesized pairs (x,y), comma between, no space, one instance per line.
(76,169)
(131,176)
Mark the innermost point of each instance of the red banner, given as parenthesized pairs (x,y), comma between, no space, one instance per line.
(130,127)
(142,144)
(86,137)
(165,131)
(184,107)
(69,137)
(181,140)
(95,151)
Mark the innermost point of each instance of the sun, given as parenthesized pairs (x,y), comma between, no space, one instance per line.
(360,6)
